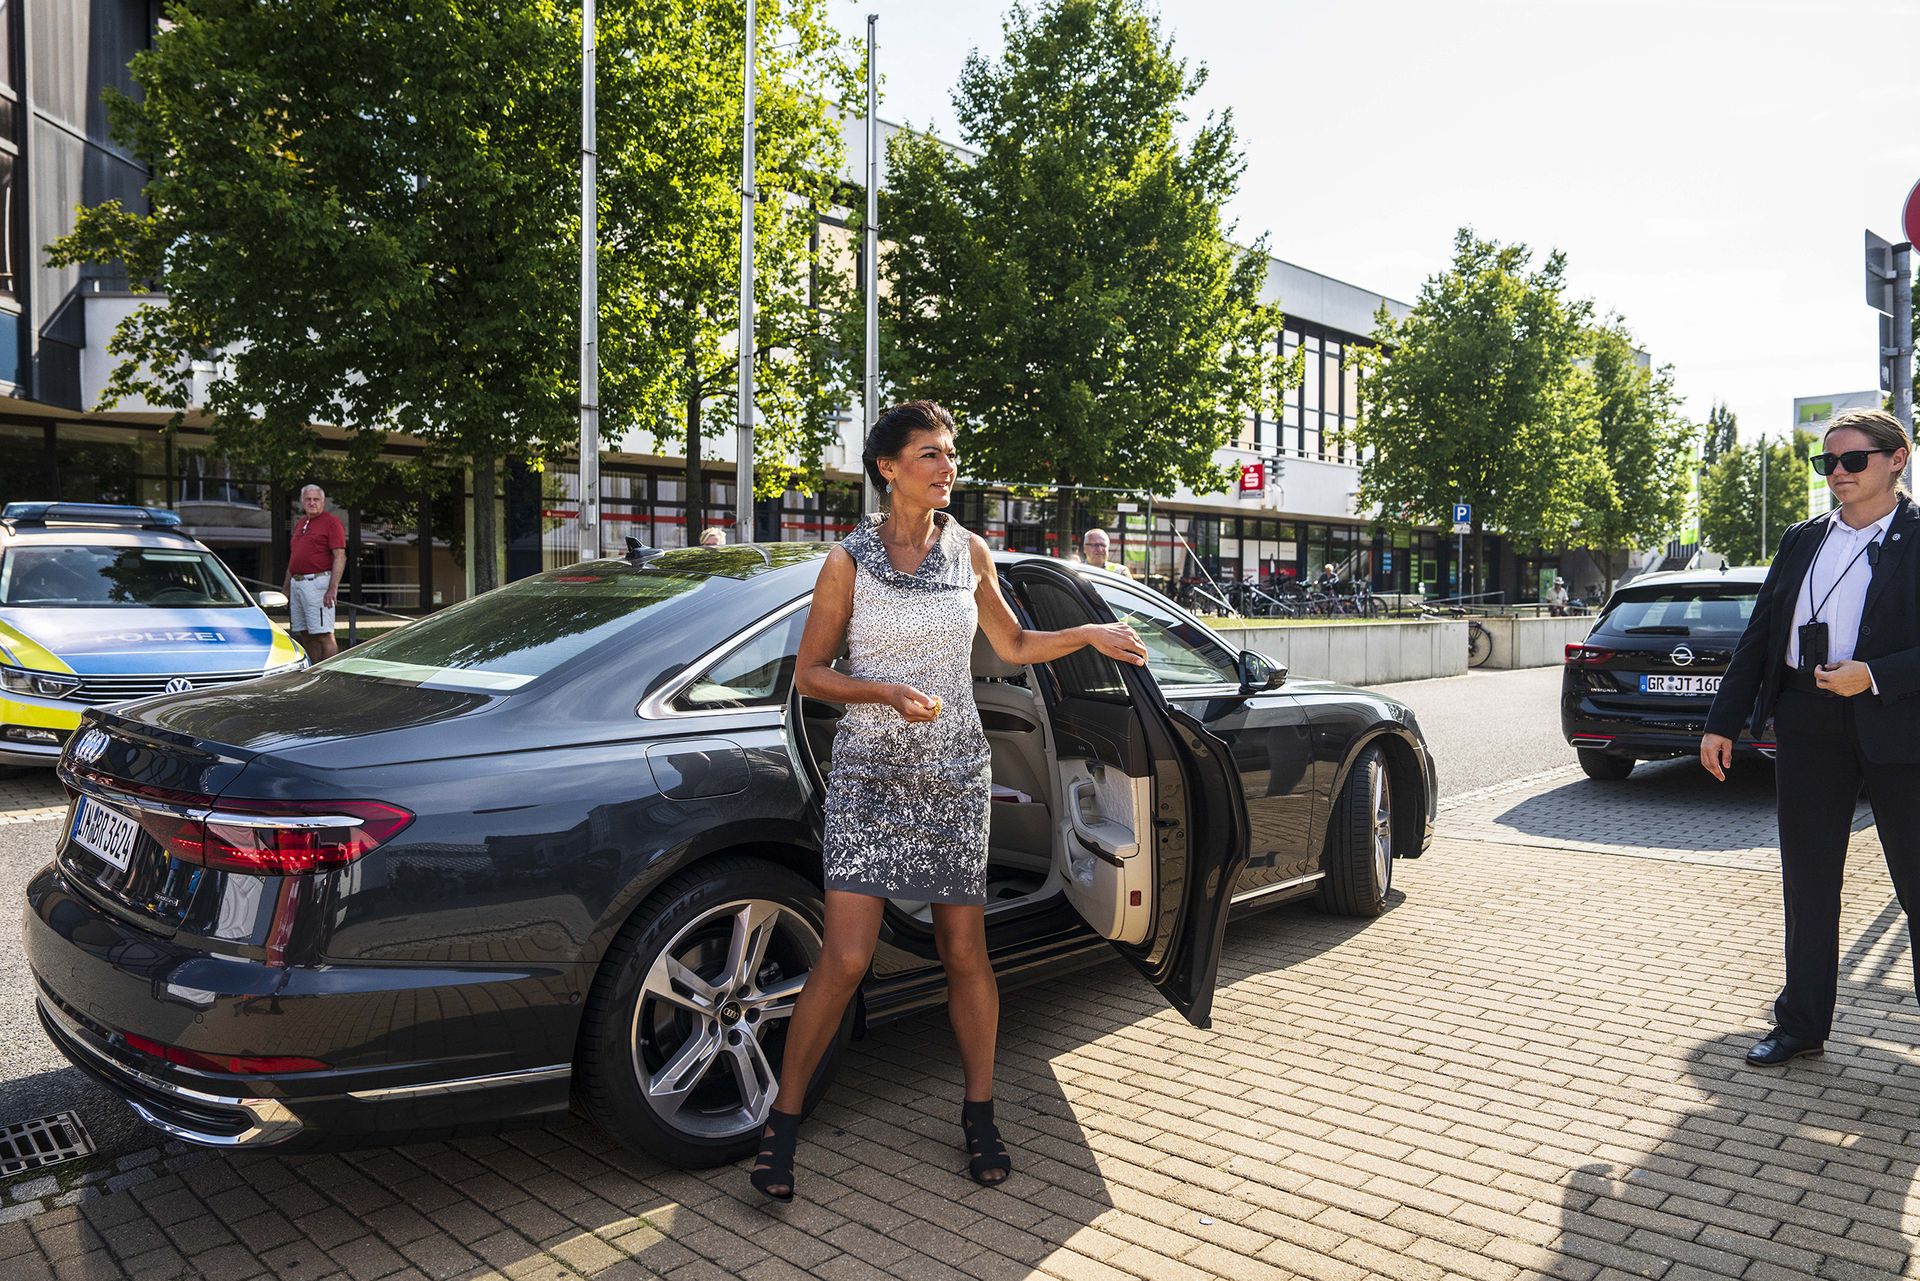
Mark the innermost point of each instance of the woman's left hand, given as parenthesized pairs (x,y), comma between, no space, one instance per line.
(1847,679)
(1117,640)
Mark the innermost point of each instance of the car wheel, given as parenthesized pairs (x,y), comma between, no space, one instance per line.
(1603,765)
(682,1037)
(1359,862)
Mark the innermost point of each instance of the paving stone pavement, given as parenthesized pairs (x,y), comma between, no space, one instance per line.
(1528,1068)
(29,794)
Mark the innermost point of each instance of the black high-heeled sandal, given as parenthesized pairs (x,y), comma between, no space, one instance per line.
(984,1148)
(773,1168)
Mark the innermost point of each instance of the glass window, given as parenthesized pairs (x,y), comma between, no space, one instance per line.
(1179,653)
(93,577)
(1085,673)
(505,638)
(1715,609)
(757,674)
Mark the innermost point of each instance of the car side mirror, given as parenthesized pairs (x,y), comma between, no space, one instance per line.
(271,600)
(1258,672)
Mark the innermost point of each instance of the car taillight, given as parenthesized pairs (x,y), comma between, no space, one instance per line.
(275,838)
(1584,655)
(237,1064)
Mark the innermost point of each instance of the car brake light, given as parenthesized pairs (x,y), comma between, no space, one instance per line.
(1581,655)
(275,838)
(233,1064)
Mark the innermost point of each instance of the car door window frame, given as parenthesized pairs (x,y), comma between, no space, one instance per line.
(659,705)
(1109,592)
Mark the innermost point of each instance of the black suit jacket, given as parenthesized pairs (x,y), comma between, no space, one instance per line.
(1888,722)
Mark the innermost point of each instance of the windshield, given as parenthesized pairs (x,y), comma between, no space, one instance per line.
(117,577)
(1718,610)
(505,638)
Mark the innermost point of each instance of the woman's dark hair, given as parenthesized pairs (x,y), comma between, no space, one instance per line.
(894,428)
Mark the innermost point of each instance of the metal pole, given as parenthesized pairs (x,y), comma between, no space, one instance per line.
(589,297)
(1763,498)
(1903,339)
(870,240)
(743,476)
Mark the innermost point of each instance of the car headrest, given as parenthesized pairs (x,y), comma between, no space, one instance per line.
(988,665)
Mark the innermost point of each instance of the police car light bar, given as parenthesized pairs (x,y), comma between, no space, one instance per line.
(88,514)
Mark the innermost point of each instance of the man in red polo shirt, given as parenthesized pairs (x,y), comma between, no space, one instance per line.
(314,570)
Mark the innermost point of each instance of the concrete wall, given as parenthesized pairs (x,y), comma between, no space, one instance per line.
(1361,653)
(1534,642)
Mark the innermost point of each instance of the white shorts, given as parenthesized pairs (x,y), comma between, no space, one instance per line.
(308,614)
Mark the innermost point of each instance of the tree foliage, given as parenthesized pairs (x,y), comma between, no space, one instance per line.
(1070,291)
(1731,519)
(1638,495)
(370,211)
(1723,433)
(1474,396)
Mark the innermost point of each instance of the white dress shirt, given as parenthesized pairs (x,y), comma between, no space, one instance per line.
(1841,613)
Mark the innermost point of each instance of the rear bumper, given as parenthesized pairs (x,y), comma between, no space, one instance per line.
(417,1051)
(1651,738)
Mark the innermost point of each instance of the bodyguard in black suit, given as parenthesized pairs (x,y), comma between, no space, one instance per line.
(1832,655)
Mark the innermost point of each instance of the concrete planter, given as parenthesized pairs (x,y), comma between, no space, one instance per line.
(1361,653)
(1534,642)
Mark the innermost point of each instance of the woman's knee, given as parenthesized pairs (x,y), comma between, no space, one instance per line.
(842,967)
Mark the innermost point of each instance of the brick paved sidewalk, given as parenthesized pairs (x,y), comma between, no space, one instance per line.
(29,794)
(1528,1068)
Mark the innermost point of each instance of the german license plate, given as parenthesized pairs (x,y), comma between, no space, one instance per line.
(105,832)
(1672,684)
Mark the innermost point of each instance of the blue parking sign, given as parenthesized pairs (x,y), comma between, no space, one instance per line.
(1462,514)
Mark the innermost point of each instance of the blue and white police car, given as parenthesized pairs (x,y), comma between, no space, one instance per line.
(101,604)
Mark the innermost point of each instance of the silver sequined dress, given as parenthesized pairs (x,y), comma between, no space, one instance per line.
(908,804)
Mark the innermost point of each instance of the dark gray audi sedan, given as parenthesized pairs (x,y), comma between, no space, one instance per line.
(557,848)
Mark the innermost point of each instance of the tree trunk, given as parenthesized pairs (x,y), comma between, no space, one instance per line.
(1479,557)
(696,477)
(486,533)
(1063,491)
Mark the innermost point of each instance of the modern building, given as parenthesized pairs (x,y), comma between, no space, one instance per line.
(1293,511)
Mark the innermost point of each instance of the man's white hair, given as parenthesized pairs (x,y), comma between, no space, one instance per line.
(315,488)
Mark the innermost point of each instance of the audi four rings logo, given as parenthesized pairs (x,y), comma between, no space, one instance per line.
(91,747)
(179,685)
(1681,656)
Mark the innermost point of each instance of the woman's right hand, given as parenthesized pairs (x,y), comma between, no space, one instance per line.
(1716,755)
(914,707)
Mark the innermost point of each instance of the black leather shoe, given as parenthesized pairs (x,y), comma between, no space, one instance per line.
(1777,1047)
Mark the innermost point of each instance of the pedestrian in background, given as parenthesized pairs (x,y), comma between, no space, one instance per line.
(1557,598)
(1094,549)
(1832,655)
(315,564)
(713,536)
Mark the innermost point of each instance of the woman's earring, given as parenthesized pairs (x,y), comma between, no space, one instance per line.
(889,487)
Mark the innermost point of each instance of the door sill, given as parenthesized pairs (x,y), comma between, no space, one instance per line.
(1252,896)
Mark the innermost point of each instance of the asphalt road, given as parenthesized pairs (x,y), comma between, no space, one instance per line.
(1484,728)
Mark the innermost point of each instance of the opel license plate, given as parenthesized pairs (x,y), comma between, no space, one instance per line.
(105,832)
(1664,683)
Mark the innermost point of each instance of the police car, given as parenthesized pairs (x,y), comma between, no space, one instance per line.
(101,604)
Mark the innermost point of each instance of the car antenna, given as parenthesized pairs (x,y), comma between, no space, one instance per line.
(638,552)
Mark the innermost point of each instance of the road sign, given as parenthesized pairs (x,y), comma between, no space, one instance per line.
(1879,274)
(1462,514)
(1889,352)
(1126,507)
(1463,527)
(1910,215)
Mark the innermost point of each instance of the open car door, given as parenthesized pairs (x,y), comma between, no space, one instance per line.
(1152,828)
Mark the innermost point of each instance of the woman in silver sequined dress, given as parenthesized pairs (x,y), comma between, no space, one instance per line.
(909,789)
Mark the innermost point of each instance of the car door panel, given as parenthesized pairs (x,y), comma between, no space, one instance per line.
(1155,881)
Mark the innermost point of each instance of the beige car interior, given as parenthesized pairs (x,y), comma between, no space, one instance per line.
(1058,826)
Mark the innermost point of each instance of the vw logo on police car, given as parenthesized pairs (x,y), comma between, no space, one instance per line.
(91,747)
(1681,656)
(179,685)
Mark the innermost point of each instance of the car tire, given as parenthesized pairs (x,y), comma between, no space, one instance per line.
(1359,862)
(657,1074)
(1604,766)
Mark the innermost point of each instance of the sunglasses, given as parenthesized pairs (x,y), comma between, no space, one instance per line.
(1854,460)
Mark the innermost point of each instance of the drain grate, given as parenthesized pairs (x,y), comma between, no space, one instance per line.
(43,1141)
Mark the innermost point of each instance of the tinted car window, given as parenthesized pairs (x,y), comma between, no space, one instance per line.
(757,674)
(110,577)
(1178,652)
(1086,672)
(503,639)
(1718,610)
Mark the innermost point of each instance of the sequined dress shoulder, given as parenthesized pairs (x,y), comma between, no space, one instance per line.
(907,805)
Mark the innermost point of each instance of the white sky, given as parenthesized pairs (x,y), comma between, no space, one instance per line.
(1707,165)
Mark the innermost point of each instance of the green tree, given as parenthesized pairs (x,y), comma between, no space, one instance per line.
(1639,494)
(1723,433)
(1731,518)
(371,212)
(1474,396)
(1071,291)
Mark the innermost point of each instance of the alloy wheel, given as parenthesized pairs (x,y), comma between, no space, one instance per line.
(1382,798)
(710,1022)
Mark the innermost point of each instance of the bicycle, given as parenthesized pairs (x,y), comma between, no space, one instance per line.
(1479,635)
